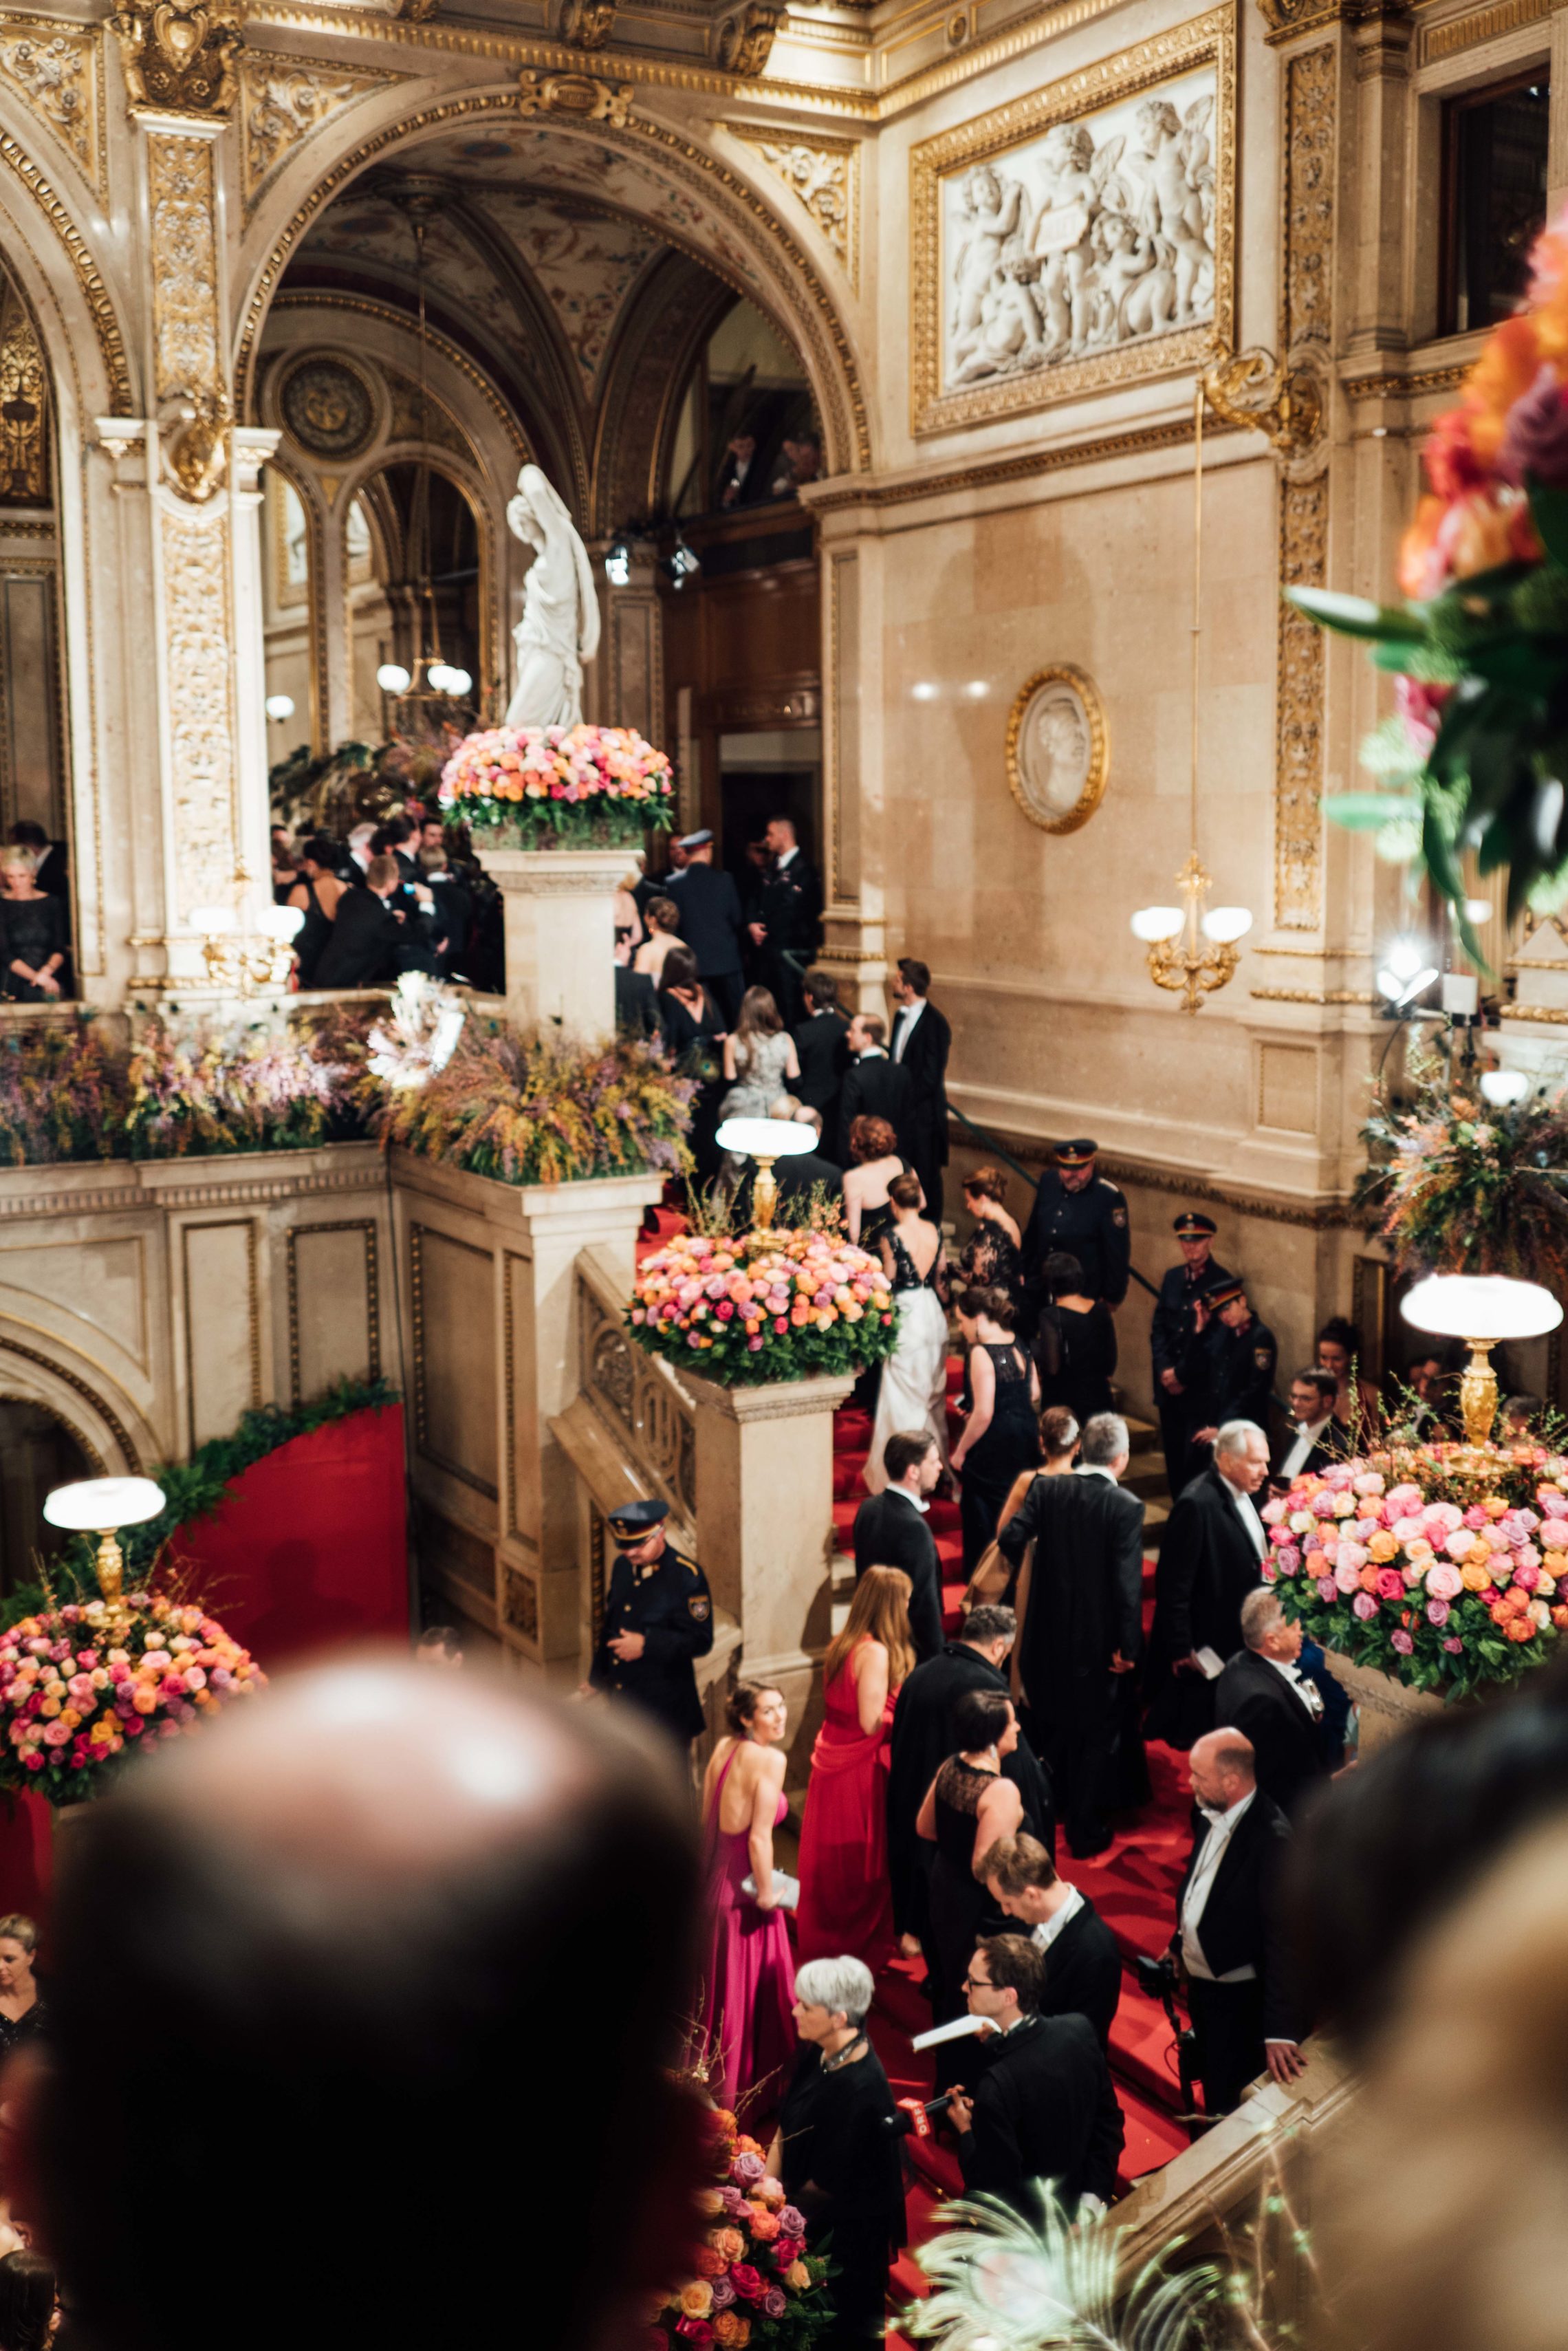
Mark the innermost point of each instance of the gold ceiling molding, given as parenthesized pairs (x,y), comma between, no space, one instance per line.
(1315,996)
(579,95)
(282,100)
(823,175)
(59,72)
(996,472)
(683,161)
(1405,387)
(387,313)
(106,326)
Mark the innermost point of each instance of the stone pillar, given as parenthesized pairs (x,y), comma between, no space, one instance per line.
(631,657)
(765,1524)
(560,935)
(854,940)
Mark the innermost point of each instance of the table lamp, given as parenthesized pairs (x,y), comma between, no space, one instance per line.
(765,1140)
(1482,1310)
(101,1505)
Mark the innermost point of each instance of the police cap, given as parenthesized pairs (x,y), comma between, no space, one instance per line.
(694,839)
(1077,1154)
(1190,1226)
(634,1521)
(1225,1293)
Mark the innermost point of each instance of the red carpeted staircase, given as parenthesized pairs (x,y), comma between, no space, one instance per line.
(1133,1885)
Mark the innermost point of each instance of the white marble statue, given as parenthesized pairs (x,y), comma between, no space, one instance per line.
(560,627)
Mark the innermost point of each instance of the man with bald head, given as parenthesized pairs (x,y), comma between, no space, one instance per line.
(362,2000)
(1228,1939)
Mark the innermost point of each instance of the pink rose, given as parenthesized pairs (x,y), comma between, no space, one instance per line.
(747,2282)
(695,2330)
(748,2170)
(792,2221)
(1453,1644)
(1346,1578)
(1363,1605)
(1390,1583)
(1436,1612)
(1288,1559)
(1459,1542)
(775,2302)
(723,2294)
(1444,1582)
(1327,1588)
(1527,1575)
(1401,1642)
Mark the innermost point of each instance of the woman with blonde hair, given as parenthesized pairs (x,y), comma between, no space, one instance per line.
(32,932)
(912,1391)
(846,1899)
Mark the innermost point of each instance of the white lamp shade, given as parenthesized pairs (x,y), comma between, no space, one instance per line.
(1502,1088)
(765,1138)
(280,922)
(458,681)
(280,705)
(1225,924)
(94,1505)
(1151,924)
(392,678)
(1481,1306)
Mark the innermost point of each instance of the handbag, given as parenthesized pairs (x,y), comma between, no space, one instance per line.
(993,1571)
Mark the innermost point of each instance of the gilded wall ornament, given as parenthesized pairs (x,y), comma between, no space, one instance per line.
(746,39)
(89,277)
(587,24)
(56,70)
(1079,238)
(188,360)
(197,623)
(824,176)
(282,101)
(328,408)
(575,94)
(1057,748)
(24,409)
(180,56)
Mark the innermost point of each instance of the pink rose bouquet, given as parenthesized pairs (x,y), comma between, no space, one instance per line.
(582,786)
(756,2285)
(780,1305)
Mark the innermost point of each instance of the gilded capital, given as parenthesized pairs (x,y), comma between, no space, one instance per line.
(1287,20)
(180,57)
(746,39)
(587,24)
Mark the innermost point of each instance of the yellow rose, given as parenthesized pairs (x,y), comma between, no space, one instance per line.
(1475,1575)
(798,2275)
(697,2299)
(1383,1546)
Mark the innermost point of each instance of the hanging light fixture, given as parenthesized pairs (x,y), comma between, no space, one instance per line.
(1193,947)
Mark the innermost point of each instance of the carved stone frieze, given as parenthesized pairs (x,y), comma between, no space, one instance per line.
(823,174)
(179,54)
(1289,20)
(186,358)
(587,24)
(576,94)
(55,68)
(23,411)
(282,101)
(745,37)
(198,629)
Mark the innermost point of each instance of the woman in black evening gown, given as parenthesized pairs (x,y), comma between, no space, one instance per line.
(990,1259)
(1001,1425)
(1075,1346)
(694,1037)
(968,1806)
(32,932)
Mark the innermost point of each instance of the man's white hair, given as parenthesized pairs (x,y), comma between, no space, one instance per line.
(1261,1612)
(1231,1444)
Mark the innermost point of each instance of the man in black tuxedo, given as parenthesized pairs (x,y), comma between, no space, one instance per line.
(1211,1558)
(711,922)
(1080,1625)
(808,1170)
(370,941)
(822,1047)
(1083,1961)
(920,1043)
(1314,1438)
(1044,2108)
(1263,1694)
(874,1087)
(1172,1331)
(789,918)
(1230,1936)
(923,1738)
(891,1530)
(392,840)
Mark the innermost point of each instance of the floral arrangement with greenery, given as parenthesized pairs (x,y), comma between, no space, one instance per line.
(1456,1185)
(251,1086)
(1396,1561)
(756,2283)
(84,1685)
(548,785)
(535,1110)
(1477,757)
(62,1094)
(780,1304)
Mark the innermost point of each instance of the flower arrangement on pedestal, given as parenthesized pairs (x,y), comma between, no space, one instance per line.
(558,786)
(1478,755)
(755,2284)
(780,1304)
(1406,1568)
(1465,1186)
(84,1686)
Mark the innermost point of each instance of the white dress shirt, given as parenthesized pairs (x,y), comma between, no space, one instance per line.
(1246,1514)
(1200,1886)
(903,1026)
(782,860)
(1306,1436)
(1312,1697)
(1045,1934)
(916,1501)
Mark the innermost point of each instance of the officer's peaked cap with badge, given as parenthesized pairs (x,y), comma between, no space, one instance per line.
(636,1521)
(698,839)
(1225,1293)
(1077,1154)
(1193,1226)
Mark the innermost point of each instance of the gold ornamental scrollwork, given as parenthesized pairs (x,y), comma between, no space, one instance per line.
(55,68)
(180,56)
(587,24)
(1264,394)
(746,39)
(579,95)
(23,411)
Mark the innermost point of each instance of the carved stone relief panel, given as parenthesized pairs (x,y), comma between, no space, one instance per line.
(23,407)
(56,69)
(1057,748)
(282,101)
(178,55)
(184,267)
(823,175)
(198,632)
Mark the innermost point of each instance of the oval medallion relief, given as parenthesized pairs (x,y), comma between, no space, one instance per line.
(328,409)
(1057,748)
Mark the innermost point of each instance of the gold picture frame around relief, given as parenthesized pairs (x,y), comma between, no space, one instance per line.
(1063,683)
(1186,63)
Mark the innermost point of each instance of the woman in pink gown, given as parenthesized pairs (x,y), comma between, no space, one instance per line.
(846,1900)
(748,1983)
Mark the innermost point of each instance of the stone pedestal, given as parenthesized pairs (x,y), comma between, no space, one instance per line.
(560,935)
(1385,1707)
(765,1525)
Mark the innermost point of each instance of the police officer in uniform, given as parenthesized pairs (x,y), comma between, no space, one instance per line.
(658,1620)
(1172,1331)
(1084,1216)
(711,922)
(1232,1357)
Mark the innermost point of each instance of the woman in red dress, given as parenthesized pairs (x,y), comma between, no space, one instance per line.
(846,1902)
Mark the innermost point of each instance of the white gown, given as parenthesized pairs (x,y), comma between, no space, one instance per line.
(914,1391)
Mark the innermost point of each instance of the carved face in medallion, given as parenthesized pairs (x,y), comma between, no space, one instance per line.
(328,409)
(1057,750)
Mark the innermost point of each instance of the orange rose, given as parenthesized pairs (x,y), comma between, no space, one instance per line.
(1555,1562)
(1509,363)
(697,2299)
(1521,1629)
(709,2264)
(1368,1578)
(1315,1563)
(763,2225)
(733,2331)
(710,2203)
(729,2242)
(1474,1576)
(1560,1617)
(1384,1547)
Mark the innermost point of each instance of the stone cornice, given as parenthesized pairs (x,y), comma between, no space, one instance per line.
(1316,1216)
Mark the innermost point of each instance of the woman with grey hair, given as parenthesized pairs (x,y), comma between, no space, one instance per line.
(836,2149)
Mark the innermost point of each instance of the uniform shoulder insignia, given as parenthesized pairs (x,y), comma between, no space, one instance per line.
(697,1607)
(1263,1357)
(690,1566)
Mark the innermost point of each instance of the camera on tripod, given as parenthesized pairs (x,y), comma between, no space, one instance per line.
(1159,1979)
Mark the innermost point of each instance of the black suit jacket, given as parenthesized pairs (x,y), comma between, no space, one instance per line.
(1083,1972)
(824,1053)
(52,877)
(710,918)
(1333,1444)
(796,1176)
(875,1087)
(1085,1591)
(926,1059)
(365,942)
(922,1739)
(1044,2109)
(890,1533)
(636,1001)
(1241,1923)
(792,906)
(1208,1566)
(1253,1696)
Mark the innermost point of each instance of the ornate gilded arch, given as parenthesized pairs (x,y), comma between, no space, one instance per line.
(44,202)
(649,366)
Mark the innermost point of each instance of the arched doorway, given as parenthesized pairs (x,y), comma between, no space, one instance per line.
(38,1453)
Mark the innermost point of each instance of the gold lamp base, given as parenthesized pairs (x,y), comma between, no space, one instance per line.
(110,1565)
(1478,1392)
(764,1196)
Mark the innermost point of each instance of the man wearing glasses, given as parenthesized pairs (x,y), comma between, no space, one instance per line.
(1044,2108)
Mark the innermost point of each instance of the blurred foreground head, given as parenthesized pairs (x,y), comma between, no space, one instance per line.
(366,1995)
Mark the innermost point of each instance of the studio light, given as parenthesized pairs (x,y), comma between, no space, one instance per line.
(279,706)
(1406,973)
(392,678)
